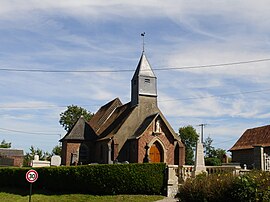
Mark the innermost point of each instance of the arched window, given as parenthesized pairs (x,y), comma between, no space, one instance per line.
(176,154)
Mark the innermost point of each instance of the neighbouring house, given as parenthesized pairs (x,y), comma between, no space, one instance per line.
(251,146)
(11,157)
(134,132)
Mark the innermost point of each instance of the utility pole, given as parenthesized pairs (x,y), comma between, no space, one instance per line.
(202,126)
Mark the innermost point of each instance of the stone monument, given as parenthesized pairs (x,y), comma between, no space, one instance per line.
(199,166)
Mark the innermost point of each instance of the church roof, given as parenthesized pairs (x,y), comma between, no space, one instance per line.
(144,125)
(97,122)
(252,137)
(80,131)
(144,68)
(115,121)
(122,122)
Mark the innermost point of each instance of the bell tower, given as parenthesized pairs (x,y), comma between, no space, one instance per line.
(144,82)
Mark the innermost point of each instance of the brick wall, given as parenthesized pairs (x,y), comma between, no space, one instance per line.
(67,149)
(11,161)
(18,161)
(164,138)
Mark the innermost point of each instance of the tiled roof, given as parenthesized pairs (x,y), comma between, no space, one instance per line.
(10,152)
(254,136)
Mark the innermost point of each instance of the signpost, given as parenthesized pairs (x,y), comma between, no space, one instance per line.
(31,176)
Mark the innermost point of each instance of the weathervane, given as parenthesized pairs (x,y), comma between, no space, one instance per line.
(142,34)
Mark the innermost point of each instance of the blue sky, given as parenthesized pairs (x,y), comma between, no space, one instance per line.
(101,35)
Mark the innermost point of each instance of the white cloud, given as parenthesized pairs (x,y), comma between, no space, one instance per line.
(98,35)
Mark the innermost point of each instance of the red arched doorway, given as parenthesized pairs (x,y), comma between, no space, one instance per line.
(156,153)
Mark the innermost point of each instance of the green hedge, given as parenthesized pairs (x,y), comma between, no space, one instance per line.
(92,179)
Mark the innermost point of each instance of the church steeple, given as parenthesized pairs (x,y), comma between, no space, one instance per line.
(143,82)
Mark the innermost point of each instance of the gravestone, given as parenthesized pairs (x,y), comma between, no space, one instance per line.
(55,160)
(38,163)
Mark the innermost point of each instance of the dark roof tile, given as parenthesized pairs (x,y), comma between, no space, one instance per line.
(10,152)
(254,136)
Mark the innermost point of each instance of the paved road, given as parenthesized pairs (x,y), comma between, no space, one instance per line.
(167,199)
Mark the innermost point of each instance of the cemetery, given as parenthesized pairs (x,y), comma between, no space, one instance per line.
(117,153)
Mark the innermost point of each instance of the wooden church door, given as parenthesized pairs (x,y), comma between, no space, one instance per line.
(155,153)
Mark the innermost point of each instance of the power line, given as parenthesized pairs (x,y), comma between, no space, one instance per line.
(29,133)
(230,140)
(45,106)
(171,100)
(220,95)
(131,70)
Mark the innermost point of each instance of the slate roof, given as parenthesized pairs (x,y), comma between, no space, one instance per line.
(121,121)
(102,125)
(105,112)
(80,131)
(11,152)
(115,121)
(144,125)
(252,137)
(144,68)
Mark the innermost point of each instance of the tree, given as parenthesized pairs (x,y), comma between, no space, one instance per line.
(213,157)
(29,156)
(57,150)
(69,117)
(189,137)
(209,149)
(5,144)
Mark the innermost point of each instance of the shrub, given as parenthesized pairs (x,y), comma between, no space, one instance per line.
(206,188)
(253,186)
(212,162)
(93,179)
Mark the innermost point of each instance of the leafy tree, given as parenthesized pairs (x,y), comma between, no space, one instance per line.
(29,156)
(69,117)
(5,144)
(189,137)
(213,157)
(209,149)
(57,150)
(219,153)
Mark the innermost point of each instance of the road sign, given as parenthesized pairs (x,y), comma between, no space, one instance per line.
(31,176)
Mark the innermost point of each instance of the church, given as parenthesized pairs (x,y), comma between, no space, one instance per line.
(135,132)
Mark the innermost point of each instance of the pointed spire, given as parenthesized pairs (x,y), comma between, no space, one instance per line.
(143,82)
(144,68)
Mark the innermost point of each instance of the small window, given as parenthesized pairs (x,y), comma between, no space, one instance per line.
(146,80)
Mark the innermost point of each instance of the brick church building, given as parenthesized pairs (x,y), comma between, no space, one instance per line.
(136,132)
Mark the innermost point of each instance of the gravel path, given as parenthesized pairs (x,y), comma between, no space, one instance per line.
(167,199)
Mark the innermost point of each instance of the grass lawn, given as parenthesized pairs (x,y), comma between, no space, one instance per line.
(19,196)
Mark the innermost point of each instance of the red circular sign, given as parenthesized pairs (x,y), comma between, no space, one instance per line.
(31,176)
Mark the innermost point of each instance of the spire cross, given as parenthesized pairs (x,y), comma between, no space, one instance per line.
(142,34)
